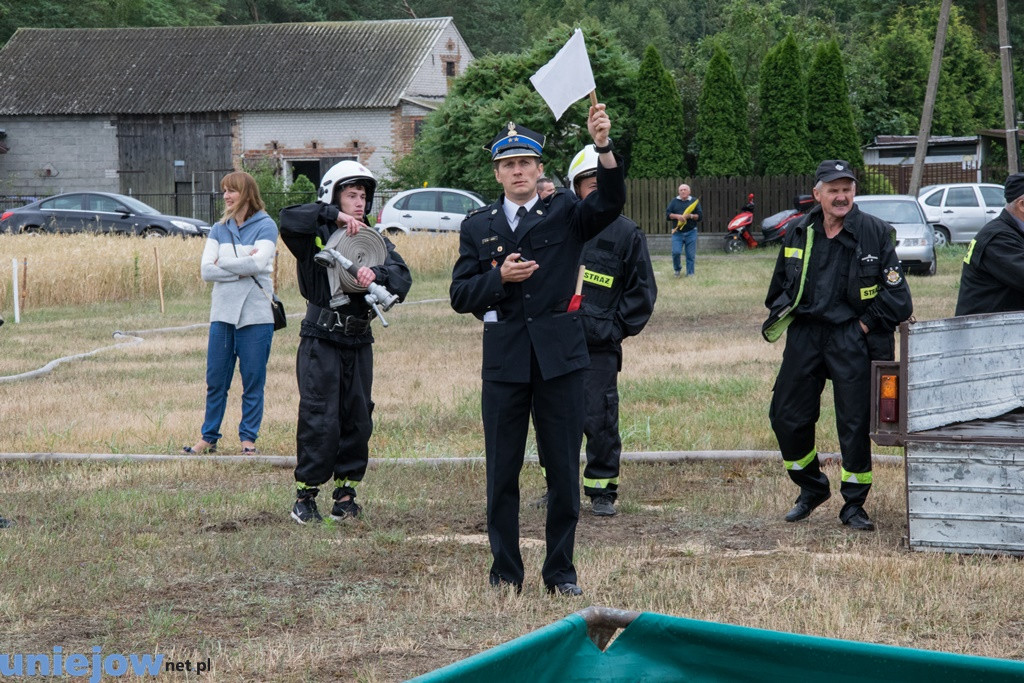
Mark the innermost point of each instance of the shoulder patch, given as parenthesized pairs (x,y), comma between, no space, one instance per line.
(476,211)
(892,275)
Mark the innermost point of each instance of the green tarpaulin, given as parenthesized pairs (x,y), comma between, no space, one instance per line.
(655,647)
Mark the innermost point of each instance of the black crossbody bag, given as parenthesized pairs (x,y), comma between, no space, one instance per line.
(276,305)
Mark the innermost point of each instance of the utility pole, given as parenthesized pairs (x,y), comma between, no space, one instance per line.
(1009,106)
(929,99)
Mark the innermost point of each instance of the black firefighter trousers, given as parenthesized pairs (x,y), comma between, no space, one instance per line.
(335,415)
(816,351)
(558,411)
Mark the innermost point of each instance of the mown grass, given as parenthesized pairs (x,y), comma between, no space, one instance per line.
(699,376)
(196,559)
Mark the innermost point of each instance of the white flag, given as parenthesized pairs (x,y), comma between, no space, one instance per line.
(567,77)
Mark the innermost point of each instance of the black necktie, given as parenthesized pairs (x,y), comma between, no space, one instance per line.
(519,216)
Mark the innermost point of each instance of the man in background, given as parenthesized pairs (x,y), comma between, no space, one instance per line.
(684,212)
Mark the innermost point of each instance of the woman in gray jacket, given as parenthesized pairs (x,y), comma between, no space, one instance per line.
(239,251)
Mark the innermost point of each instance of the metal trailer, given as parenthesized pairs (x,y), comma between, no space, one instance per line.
(955,402)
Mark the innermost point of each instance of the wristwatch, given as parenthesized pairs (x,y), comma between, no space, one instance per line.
(607,148)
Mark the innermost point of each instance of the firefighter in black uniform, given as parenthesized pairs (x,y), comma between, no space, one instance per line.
(335,359)
(839,288)
(618,298)
(516,271)
(992,279)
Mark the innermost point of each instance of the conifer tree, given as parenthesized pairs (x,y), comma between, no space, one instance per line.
(658,142)
(783,125)
(723,132)
(830,128)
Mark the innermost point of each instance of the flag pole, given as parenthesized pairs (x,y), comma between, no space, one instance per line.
(593,98)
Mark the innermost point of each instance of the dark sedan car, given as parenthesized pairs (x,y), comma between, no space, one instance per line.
(103,212)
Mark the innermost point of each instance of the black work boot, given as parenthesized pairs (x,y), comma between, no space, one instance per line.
(805,504)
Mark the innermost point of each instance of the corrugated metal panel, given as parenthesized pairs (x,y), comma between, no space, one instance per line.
(269,67)
(965,497)
(964,368)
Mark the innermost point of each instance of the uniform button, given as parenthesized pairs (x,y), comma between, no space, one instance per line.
(529,320)
(527,296)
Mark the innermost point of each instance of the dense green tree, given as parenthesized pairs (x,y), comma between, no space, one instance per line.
(658,144)
(723,133)
(831,133)
(104,14)
(783,98)
(496,89)
(893,72)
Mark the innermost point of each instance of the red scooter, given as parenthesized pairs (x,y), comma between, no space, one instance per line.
(773,228)
(739,228)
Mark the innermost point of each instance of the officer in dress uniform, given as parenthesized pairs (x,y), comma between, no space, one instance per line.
(516,272)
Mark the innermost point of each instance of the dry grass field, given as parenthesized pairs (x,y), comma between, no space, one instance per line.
(198,560)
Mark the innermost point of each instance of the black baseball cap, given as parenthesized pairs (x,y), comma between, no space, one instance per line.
(1013,188)
(833,169)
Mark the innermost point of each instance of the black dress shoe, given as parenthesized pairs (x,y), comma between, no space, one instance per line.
(566,589)
(500,583)
(804,506)
(859,521)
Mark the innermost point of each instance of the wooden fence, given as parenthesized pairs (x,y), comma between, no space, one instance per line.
(720,198)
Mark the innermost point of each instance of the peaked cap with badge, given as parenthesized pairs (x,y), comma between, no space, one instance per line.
(834,169)
(515,141)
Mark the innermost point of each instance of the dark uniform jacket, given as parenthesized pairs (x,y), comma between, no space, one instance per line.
(532,315)
(305,228)
(992,280)
(876,289)
(618,287)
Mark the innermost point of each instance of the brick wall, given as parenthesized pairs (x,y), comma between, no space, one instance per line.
(365,134)
(50,155)
(430,81)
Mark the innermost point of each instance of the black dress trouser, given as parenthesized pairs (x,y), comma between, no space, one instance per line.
(335,414)
(816,351)
(558,409)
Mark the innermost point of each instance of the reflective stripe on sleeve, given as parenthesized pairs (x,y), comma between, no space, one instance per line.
(793,252)
(970,251)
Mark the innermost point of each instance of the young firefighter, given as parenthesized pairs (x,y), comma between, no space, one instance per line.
(335,359)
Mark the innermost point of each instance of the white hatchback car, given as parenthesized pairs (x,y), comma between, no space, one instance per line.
(959,210)
(433,209)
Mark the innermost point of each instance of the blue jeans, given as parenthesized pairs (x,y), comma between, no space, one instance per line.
(689,240)
(251,346)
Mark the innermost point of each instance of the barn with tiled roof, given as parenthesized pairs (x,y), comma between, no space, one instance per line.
(169,110)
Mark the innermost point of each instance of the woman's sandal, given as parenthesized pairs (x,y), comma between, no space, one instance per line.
(189,450)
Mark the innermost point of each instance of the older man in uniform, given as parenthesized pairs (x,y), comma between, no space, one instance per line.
(839,289)
(516,271)
(992,279)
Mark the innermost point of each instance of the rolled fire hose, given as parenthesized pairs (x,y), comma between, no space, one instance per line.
(365,248)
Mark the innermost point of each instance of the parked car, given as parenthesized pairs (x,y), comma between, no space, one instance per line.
(959,210)
(436,209)
(915,236)
(104,212)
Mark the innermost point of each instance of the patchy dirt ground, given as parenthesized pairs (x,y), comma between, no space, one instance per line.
(196,560)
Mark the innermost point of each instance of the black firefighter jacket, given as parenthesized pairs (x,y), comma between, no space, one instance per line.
(876,288)
(992,280)
(532,316)
(618,287)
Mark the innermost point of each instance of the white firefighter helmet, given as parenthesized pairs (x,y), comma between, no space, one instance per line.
(583,165)
(347,173)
